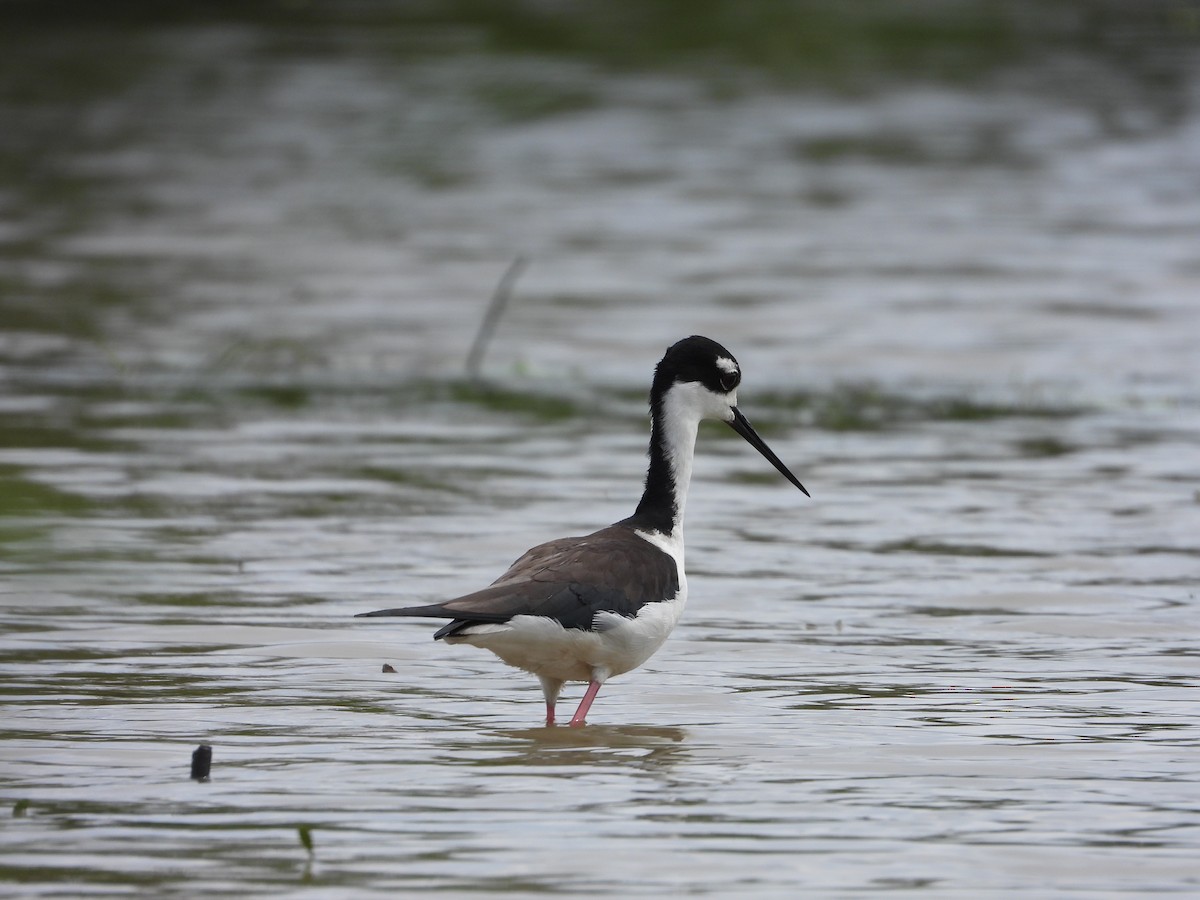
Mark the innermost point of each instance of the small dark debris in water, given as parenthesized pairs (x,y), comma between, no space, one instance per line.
(201,762)
(388,670)
(306,841)
(19,808)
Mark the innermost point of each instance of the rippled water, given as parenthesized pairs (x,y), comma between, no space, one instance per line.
(241,263)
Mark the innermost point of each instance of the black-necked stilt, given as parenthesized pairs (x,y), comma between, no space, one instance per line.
(588,608)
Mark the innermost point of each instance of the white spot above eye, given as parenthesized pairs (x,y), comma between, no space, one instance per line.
(727,365)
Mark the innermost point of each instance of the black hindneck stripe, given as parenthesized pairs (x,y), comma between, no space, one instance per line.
(659,506)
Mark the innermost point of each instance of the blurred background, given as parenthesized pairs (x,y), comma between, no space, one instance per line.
(938,191)
(244,250)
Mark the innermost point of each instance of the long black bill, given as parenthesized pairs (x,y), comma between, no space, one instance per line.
(742,426)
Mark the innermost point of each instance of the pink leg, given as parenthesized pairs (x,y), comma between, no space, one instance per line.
(550,687)
(585,704)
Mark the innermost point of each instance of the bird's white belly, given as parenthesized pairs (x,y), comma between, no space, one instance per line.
(542,646)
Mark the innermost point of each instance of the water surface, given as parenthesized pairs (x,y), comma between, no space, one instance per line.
(242,258)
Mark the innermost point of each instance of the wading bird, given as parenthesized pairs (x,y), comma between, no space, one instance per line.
(588,608)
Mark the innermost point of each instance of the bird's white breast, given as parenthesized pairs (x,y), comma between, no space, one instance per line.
(544,647)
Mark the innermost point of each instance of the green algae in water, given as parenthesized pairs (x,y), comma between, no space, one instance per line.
(544,407)
(20,496)
(868,407)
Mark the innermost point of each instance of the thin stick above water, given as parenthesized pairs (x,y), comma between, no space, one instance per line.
(488,326)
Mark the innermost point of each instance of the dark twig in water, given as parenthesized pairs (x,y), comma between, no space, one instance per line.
(201,762)
(488,326)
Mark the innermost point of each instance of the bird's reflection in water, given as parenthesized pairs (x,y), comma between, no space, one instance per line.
(559,746)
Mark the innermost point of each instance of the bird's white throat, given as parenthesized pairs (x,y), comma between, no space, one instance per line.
(683,406)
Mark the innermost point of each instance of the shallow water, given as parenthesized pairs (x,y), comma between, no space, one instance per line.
(242,262)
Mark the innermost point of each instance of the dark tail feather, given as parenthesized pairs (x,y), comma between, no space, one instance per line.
(433,611)
(451,628)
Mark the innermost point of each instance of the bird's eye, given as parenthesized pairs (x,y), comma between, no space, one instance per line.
(729,380)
